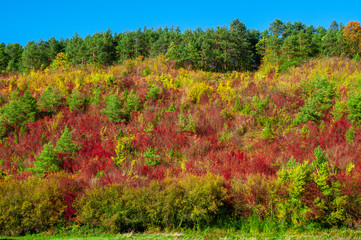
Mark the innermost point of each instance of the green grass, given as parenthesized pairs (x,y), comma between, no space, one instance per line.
(209,234)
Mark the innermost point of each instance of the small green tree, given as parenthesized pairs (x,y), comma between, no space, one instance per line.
(113,108)
(20,110)
(76,101)
(354,106)
(47,161)
(49,100)
(65,144)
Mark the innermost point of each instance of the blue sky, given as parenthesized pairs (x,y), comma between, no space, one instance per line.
(23,21)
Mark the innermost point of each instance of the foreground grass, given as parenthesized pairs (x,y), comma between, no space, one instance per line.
(210,234)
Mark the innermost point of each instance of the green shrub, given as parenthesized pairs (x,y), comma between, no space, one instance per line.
(97,207)
(144,73)
(333,208)
(153,93)
(354,106)
(131,101)
(113,108)
(350,134)
(322,94)
(3,127)
(75,101)
(186,125)
(289,207)
(192,202)
(50,100)
(20,109)
(151,159)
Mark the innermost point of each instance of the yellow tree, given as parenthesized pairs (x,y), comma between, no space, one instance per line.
(352,37)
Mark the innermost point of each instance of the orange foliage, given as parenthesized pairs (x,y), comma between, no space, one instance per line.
(352,37)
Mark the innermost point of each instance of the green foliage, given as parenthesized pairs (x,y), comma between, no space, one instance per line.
(354,106)
(305,132)
(150,128)
(153,93)
(290,209)
(121,149)
(267,130)
(191,125)
(151,157)
(322,93)
(132,103)
(257,106)
(191,202)
(3,128)
(186,124)
(350,134)
(96,96)
(117,109)
(144,73)
(334,205)
(310,111)
(357,57)
(237,104)
(113,108)
(49,100)
(20,109)
(65,143)
(292,204)
(171,108)
(75,101)
(47,161)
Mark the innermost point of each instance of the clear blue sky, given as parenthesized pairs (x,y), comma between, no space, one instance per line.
(22,21)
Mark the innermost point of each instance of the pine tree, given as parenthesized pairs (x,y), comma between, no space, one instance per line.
(113,108)
(21,110)
(49,100)
(4,58)
(14,52)
(47,161)
(65,144)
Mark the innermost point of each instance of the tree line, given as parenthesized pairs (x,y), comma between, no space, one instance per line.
(217,49)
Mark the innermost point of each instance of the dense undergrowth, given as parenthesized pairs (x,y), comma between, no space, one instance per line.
(144,146)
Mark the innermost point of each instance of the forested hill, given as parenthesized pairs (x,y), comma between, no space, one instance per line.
(221,49)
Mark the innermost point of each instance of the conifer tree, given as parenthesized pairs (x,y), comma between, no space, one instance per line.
(65,144)
(47,161)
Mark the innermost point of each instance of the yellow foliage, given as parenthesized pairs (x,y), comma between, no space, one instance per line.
(226,92)
(52,125)
(196,90)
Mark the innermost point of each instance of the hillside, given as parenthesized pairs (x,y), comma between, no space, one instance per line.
(145,145)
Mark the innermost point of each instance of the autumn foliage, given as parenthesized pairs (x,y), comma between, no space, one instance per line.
(144,145)
(352,36)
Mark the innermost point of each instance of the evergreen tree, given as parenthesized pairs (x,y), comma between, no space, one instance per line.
(332,41)
(113,108)
(54,47)
(49,100)
(126,46)
(20,110)
(77,50)
(4,58)
(65,144)
(34,55)
(47,161)
(14,52)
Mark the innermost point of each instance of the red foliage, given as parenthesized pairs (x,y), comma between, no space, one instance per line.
(70,189)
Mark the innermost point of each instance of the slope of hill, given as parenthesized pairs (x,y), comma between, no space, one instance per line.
(144,145)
